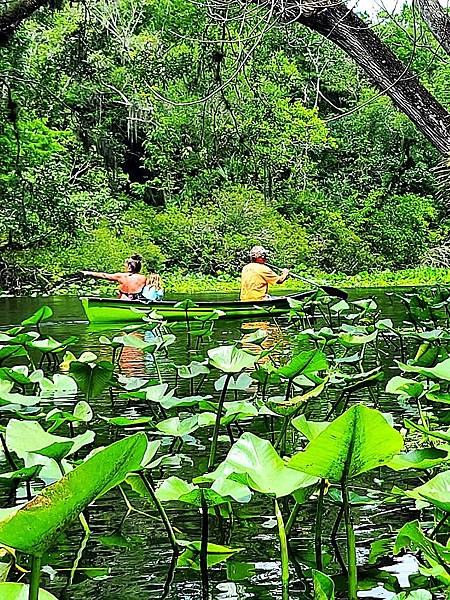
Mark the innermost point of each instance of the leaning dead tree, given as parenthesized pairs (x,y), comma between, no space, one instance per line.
(388,73)
(341,25)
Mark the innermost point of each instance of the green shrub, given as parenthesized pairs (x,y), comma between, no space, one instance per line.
(103,249)
(397,227)
(215,237)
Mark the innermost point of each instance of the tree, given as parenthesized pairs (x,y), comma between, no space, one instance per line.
(350,32)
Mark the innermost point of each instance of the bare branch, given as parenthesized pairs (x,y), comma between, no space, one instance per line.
(437,20)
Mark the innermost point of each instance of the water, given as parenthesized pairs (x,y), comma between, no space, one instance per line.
(138,558)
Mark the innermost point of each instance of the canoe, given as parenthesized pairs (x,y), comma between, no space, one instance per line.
(113,310)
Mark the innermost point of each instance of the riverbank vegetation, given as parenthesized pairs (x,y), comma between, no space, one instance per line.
(108,146)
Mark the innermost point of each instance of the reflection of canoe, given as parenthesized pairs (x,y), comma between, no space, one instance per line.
(111,310)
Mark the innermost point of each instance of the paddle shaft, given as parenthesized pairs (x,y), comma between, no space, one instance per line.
(331,291)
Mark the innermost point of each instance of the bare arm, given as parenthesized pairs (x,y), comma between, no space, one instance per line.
(109,276)
(283,276)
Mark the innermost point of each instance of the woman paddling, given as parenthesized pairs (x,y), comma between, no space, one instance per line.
(131,283)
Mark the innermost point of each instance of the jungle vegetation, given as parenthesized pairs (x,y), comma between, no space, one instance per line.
(190,131)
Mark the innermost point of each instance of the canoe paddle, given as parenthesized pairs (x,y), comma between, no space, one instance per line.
(328,289)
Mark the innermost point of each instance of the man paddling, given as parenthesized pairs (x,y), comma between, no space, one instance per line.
(256,276)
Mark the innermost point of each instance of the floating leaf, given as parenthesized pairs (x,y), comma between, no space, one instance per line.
(216,554)
(127,421)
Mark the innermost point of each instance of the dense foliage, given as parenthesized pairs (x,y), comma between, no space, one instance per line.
(128,126)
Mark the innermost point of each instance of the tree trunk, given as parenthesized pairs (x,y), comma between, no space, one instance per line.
(12,17)
(348,31)
(437,20)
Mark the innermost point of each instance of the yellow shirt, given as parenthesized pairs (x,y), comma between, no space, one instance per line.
(255,279)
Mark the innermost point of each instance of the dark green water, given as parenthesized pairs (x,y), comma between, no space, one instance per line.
(139,558)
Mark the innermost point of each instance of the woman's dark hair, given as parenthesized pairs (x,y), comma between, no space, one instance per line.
(134,263)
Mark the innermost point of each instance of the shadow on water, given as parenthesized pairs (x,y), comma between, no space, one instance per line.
(138,555)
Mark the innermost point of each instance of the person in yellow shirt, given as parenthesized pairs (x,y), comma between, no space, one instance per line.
(256,276)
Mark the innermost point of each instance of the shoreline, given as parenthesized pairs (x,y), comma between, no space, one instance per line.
(178,283)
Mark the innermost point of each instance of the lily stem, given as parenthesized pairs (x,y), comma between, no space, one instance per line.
(160,509)
(351,544)
(284,548)
(318,528)
(292,517)
(33,593)
(213,451)
(204,549)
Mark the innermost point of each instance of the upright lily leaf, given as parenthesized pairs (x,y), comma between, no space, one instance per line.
(193,369)
(230,359)
(323,586)
(265,471)
(256,337)
(422,458)
(42,314)
(357,441)
(411,535)
(8,397)
(20,591)
(177,489)
(404,387)
(25,437)
(310,429)
(92,378)
(10,351)
(69,357)
(178,428)
(50,345)
(15,375)
(186,304)
(350,339)
(440,371)
(440,435)
(33,527)
(436,491)
(83,412)
(242,382)
(61,385)
(304,363)
(156,393)
(173,488)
